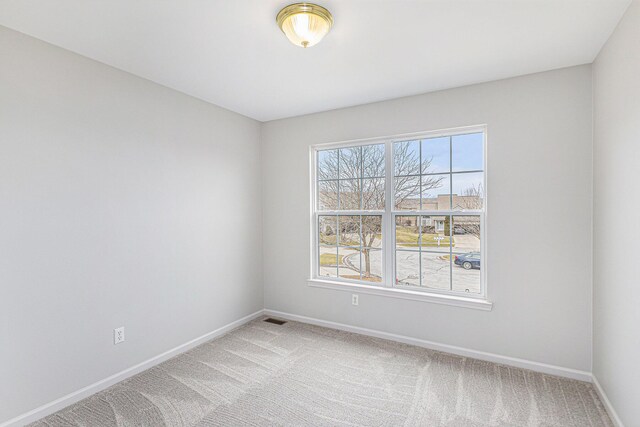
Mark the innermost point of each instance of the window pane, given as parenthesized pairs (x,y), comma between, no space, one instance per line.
(327,195)
(435,192)
(373,161)
(349,229)
(407,192)
(350,194)
(349,263)
(327,229)
(406,158)
(372,265)
(328,261)
(328,164)
(435,155)
(433,251)
(466,251)
(436,233)
(435,270)
(468,190)
(373,194)
(407,232)
(408,268)
(350,163)
(372,231)
(466,233)
(466,152)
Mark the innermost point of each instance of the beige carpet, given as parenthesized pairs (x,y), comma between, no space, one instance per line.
(297,375)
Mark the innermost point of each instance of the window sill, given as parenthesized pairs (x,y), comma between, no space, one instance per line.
(457,301)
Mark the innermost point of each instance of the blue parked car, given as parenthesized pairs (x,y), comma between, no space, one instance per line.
(468,261)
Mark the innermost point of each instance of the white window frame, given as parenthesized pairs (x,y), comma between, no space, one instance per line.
(388,286)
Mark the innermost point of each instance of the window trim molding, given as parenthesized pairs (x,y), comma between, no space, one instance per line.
(403,293)
(387,287)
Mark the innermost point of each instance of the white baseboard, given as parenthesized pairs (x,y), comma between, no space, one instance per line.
(615,419)
(76,396)
(460,351)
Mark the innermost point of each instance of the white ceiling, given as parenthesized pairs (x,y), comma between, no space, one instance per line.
(231,53)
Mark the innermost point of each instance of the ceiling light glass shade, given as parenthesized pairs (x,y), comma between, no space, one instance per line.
(304,24)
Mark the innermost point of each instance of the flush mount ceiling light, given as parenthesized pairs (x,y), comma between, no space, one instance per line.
(304,24)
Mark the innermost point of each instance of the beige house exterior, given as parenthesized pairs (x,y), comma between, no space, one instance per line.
(439,203)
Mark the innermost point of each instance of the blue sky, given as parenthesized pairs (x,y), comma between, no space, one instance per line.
(467,155)
(466,151)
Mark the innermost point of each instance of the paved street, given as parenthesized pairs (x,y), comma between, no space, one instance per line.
(435,267)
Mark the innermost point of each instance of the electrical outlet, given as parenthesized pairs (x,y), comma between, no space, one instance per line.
(118,335)
(354,299)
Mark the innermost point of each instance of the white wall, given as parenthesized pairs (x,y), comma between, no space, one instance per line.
(126,203)
(539,216)
(616,229)
(122,203)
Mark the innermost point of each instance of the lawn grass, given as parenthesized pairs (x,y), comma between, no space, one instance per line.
(374,279)
(407,236)
(353,241)
(330,259)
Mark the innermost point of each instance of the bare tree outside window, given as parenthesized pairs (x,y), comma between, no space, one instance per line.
(407,170)
(471,200)
(436,210)
(354,179)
